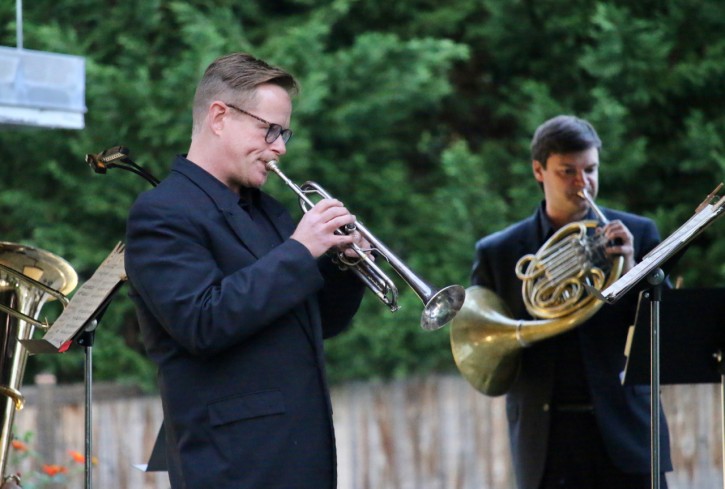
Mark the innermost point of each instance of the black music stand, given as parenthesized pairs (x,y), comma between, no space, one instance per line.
(85,338)
(692,331)
(650,273)
(692,342)
(77,324)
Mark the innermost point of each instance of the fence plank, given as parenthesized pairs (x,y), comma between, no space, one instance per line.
(125,423)
(432,433)
(426,433)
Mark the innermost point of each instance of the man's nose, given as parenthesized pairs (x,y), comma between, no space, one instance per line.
(279,146)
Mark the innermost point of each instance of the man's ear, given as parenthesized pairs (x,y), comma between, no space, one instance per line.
(538,170)
(215,116)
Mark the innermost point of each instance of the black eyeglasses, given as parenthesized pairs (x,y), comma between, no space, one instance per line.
(273,132)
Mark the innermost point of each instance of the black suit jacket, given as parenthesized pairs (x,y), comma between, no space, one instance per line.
(235,322)
(622,412)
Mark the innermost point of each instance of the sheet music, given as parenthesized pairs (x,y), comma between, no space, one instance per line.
(88,299)
(705,214)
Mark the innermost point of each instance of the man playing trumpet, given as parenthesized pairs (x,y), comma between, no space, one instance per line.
(571,422)
(234,298)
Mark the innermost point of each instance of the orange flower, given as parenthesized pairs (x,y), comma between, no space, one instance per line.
(20,445)
(53,469)
(80,458)
(77,456)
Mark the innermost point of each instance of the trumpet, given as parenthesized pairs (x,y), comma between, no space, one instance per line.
(440,305)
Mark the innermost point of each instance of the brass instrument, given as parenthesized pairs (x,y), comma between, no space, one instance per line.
(29,277)
(441,305)
(486,342)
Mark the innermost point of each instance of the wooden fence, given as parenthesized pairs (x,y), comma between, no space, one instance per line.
(429,433)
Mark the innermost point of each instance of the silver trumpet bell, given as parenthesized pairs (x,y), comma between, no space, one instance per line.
(29,277)
(441,305)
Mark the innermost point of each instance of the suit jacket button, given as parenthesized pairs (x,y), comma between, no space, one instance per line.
(545,407)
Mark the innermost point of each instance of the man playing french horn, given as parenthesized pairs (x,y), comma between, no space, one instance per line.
(572,424)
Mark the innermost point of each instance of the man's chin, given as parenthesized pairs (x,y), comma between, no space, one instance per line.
(260,181)
(579,212)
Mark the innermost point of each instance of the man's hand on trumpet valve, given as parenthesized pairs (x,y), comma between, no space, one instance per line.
(317,228)
(362,244)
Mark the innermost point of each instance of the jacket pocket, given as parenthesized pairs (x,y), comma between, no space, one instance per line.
(245,406)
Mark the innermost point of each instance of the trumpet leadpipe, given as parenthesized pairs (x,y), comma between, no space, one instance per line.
(441,305)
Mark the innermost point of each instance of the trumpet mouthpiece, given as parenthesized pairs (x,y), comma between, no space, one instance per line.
(271,165)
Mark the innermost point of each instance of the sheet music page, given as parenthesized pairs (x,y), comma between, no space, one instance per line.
(89,298)
(664,250)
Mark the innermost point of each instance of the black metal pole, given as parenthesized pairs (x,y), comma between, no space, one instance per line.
(721,369)
(656,278)
(86,341)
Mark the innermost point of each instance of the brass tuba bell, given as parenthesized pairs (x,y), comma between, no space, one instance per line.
(29,277)
(486,341)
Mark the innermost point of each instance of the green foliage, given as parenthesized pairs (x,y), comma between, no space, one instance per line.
(418,115)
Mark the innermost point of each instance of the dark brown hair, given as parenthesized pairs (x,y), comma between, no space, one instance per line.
(563,134)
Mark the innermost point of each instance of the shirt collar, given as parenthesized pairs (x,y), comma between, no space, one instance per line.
(224,197)
(248,197)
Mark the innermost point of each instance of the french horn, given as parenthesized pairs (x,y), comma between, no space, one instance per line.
(486,341)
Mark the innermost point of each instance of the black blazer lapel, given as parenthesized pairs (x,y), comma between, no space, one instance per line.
(247,232)
(307,314)
(278,216)
(250,236)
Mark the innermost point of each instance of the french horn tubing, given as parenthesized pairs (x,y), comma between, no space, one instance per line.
(486,341)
